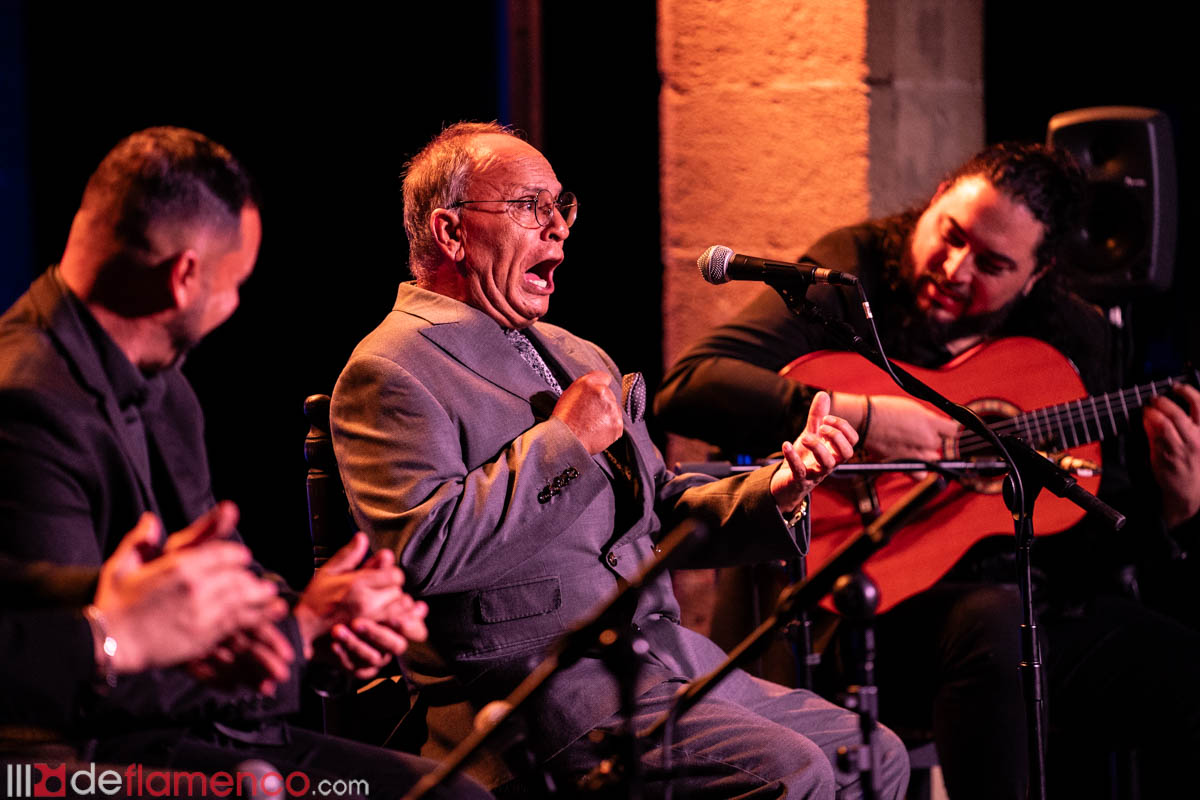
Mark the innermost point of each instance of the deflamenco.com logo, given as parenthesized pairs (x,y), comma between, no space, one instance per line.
(252,779)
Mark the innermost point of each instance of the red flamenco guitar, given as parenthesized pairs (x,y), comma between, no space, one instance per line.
(999,381)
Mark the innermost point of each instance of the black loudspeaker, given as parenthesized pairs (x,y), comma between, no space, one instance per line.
(1128,240)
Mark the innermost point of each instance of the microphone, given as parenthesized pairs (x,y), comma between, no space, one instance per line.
(719,264)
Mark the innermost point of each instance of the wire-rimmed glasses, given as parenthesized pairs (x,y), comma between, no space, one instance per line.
(536,210)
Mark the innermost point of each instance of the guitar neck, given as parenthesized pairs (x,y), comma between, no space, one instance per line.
(1076,422)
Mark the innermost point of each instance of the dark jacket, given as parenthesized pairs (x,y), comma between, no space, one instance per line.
(75,476)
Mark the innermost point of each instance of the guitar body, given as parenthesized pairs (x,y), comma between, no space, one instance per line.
(995,379)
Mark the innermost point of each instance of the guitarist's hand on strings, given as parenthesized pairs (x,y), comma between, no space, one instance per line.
(825,442)
(899,428)
(1174,438)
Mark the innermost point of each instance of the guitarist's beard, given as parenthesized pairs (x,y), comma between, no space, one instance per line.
(968,325)
(942,332)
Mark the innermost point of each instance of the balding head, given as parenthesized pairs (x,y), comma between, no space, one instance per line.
(438,177)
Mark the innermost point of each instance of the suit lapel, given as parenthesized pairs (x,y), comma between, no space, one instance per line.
(562,349)
(61,322)
(477,342)
(488,354)
(473,339)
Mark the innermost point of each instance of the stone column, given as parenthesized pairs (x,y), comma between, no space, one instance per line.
(764,116)
(783,120)
(925,78)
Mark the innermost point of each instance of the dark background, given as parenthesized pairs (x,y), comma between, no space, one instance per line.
(325,107)
(1043,58)
(324,110)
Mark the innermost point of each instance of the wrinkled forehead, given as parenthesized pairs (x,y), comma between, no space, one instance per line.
(505,162)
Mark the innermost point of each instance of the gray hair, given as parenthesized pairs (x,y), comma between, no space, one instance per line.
(437,177)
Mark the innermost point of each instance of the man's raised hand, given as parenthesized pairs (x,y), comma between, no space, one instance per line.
(825,442)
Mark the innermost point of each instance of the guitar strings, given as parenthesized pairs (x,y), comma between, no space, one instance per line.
(1060,419)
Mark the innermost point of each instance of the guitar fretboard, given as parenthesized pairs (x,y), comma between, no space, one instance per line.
(1076,422)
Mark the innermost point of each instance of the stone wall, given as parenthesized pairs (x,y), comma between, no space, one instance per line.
(780,121)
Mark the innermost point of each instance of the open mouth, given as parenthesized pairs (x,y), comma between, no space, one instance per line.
(541,275)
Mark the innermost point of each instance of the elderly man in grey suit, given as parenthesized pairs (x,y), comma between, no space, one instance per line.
(490,452)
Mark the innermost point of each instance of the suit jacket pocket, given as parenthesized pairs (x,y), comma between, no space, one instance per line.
(498,622)
(530,598)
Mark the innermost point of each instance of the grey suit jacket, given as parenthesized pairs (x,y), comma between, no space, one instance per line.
(450,457)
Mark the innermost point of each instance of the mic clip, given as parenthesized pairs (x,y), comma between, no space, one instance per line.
(1079,467)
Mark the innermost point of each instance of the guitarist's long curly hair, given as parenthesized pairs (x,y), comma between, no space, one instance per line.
(1044,179)
(1051,185)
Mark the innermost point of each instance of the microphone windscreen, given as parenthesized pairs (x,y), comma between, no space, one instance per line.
(714,264)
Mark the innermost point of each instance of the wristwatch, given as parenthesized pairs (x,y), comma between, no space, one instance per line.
(105,647)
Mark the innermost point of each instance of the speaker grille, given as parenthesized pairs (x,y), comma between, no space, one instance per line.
(1128,240)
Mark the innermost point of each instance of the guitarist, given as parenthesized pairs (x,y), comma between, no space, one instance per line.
(975,263)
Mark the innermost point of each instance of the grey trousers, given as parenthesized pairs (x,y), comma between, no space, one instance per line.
(748,738)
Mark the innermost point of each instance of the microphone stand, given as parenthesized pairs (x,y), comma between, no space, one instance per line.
(799,634)
(1028,474)
(601,630)
(857,597)
(800,595)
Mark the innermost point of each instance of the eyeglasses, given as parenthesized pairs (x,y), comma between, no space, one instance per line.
(536,210)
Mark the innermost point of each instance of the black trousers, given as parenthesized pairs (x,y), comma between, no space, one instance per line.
(1118,676)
